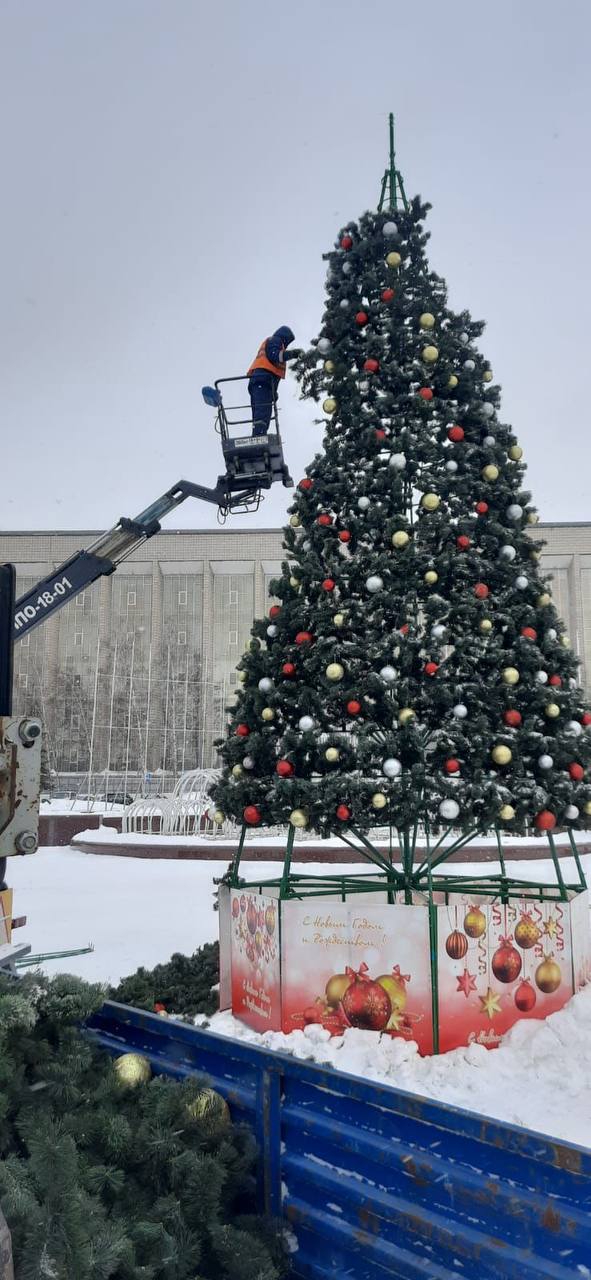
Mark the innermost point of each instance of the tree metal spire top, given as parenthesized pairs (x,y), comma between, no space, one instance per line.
(392,195)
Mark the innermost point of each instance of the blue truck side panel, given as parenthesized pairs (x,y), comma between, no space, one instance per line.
(375,1182)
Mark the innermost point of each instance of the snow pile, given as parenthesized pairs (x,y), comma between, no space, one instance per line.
(538,1077)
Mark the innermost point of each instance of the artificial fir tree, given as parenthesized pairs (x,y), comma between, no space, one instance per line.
(415,671)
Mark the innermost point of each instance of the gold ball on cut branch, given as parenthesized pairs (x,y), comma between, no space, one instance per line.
(298,818)
(335,671)
(379,800)
(332,754)
(452,381)
(335,989)
(219,817)
(501,754)
(485,624)
(406,715)
(430,354)
(400,538)
(295,522)
(544,600)
(510,675)
(431,577)
(294,582)
(339,619)
(329,366)
(393,259)
(329,405)
(210,1108)
(552,710)
(268,713)
(430,501)
(506,812)
(490,472)
(515,452)
(237,771)
(487,375)
(242,676)
(426,321)
(533,517)
(133,1069)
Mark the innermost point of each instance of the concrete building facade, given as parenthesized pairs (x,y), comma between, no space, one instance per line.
(136,672)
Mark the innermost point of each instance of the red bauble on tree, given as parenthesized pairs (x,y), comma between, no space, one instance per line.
(275,610)
(456,945)
(346,242)
(431,668)
(288,669)
(361,318)
(387,295)
(530,633)
(242,731)
(305,484)
(304,637)
(324,520)
(586,718)
(353,707)
(456,434)
(379,433)
(328,584)
(370,365)
(463,542)
(506,962)
(555,681)
(365,1003)
(452,765)
(525,996)
(343,813)
(426,393)
(284,768)
(576,771)
(481,591)
(344,536)
(512,718)
(251,815)
(481,508)
(545,820)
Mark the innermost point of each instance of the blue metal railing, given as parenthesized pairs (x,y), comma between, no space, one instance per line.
(375,1182)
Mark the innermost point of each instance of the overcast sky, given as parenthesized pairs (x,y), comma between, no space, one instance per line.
(173,171)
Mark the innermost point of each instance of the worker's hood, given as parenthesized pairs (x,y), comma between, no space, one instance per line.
(285,333)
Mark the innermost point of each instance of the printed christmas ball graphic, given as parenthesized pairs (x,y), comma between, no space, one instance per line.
(475,923)
(506,962)
(525,996)
(548,975)
(456,945)
(526,932)
(336,987)
(394,985)
(366,1004)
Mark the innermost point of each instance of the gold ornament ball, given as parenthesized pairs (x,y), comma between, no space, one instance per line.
(507,812)
(268,713)
(430,501)
(430,354)
(400,538)
(242,676)
(332,754)
(405,715)
(533,517)
(329,405)
(335,671)
(210,1108)
(431,577)
(379,800)
(339,619)
(219,817)
(396,990)
(452,381)
(490,472)
(515,452)
(132,1069)
(335,989)
(298,818)
(329,366)
(427,321)
(510,675)
(295,522)
(237,771)
(485,624)
(544,600)
(587,806)
(501,754)
(487,375)
(552,710)
(393,259)
(565,642)
(294,582)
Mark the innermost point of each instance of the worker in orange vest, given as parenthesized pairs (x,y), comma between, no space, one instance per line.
(265,373)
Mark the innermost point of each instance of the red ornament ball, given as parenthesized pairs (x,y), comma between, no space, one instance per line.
(529,633)
(456,945)
(328,584)
(288,669)
(353,707)
(431,668)
(303,637)
(586,717)
(344,536)
(481,591)
(463,542)
(512,718)
(275,610)
(482,508)
(426,393)
(545,820)
(305,484)
(387,295)
(404,629)
(251,815)
(324,520)
(452,765)
(365,1003)
(525,996)
(506,962)
(284,768)
(346,242)
(380,434)
(576,771)
(456,434)
(343,813)
(242,731)
(371,365)
(361,318)
(556,681)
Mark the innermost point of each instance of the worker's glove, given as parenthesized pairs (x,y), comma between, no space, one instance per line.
(294,353)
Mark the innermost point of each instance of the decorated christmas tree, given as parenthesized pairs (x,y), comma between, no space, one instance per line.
(415,672)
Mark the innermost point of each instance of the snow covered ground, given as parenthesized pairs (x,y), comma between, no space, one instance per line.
(138,912)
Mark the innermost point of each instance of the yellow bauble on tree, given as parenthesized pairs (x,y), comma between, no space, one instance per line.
(407,714)
(485,624)
(510,675)
(294,582)
(329,405)
(552,710)
(379,800)
(430,501)
(332,754)
(298,818)
(533,517)
(452,381)
(132,1069)
(565,642)
(515,452)
(427,321)
(400,538)
(431,577)
(219,817)
(507,812)
(242,676)
(430,354)
(544,600)
(268,713)
(393,259)
(490,472)
(237,771)
(329,366)
(587,806)
(339,620)
(295,521)
(487,375)
(501,754)
(335,671)
(211,1109)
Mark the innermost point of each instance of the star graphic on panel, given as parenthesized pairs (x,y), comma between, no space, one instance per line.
(490,1003)
(550,927)
(466,983)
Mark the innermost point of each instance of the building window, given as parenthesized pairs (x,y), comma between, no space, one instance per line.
(233,677)
(232,638)
(23,681)
(78,637)
(183,599)
(25,642)
(232,596)
(182,637)
(80,599)
(130,598)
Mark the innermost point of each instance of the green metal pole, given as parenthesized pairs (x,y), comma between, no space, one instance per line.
(573,845)
(553,850)
(393,204)
(234,877)
(284,887)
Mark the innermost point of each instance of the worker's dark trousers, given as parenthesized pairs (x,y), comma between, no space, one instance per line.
(262,390)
